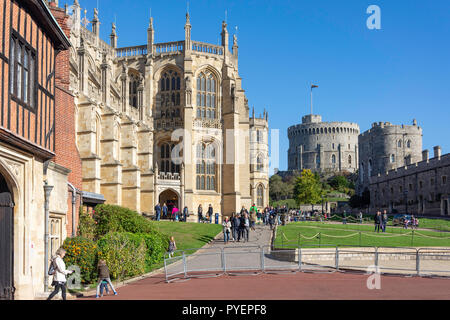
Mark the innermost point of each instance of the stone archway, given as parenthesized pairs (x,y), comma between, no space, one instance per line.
(170,198)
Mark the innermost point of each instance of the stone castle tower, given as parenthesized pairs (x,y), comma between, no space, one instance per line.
(386,147)
(324,147)
(166,122)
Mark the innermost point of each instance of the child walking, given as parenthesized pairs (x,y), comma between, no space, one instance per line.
(103,275)
(172,246)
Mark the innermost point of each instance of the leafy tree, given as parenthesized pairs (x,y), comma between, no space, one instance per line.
(308,188)
(275,187)
(339,183)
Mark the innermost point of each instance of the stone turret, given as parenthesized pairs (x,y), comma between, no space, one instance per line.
(113,36)
(96,23)
(150,37)
(187,34)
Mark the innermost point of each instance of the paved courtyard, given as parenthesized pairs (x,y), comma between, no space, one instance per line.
(245,285)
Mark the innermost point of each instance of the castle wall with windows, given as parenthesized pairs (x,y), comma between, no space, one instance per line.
(324,147)
(385,147)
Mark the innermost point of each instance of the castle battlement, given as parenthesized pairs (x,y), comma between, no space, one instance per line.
(421,166)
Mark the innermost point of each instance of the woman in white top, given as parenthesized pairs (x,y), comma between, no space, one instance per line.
(226,230)
(59,275)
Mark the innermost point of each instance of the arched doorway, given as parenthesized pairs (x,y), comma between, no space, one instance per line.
(170,198)
(6,241)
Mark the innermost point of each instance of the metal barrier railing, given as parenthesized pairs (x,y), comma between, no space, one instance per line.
(207,262)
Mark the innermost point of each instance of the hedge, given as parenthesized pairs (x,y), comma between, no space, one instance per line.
(124,253)
(112,218)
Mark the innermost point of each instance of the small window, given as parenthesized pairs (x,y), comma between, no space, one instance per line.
(410,187)
(392,158)
(420,184)
(444,180)
(399,144)
(408,143)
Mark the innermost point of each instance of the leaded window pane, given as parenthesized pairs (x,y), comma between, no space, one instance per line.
(12,66)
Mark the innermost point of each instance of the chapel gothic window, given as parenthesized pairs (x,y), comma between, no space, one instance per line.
(259,163)
(206,167)
(260,196)
(166,159)
(170,94)
(133,91)
(206,96)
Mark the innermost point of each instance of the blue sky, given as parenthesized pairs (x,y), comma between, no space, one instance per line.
(395,74)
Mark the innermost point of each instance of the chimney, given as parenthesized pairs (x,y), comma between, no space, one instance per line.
(437,152)
(425,155)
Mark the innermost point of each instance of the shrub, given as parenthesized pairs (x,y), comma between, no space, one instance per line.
(156,245)
(112,218)
(82,252)
(86,226)
(124,254)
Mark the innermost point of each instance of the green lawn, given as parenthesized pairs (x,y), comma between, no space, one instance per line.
(435,224)
(189,235)
(315,233)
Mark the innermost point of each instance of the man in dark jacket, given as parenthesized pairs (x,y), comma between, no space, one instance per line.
(241,227)
(378,221)
(185,214)
(210,213)
(158,211)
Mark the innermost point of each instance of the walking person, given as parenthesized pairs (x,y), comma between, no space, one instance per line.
(384,220)
(172,246)
(185,214)
(236,224)
(241,227)
(344,220)
(158,211)
(360,217)
(378,221)
(253,210)
(226,230)
(247,227)
(175,213)
(210,213)
(164,210)
(200,213)
(59,272)
(103,275)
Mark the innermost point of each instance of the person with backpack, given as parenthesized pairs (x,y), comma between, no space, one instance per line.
(58,270)
(103,275)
